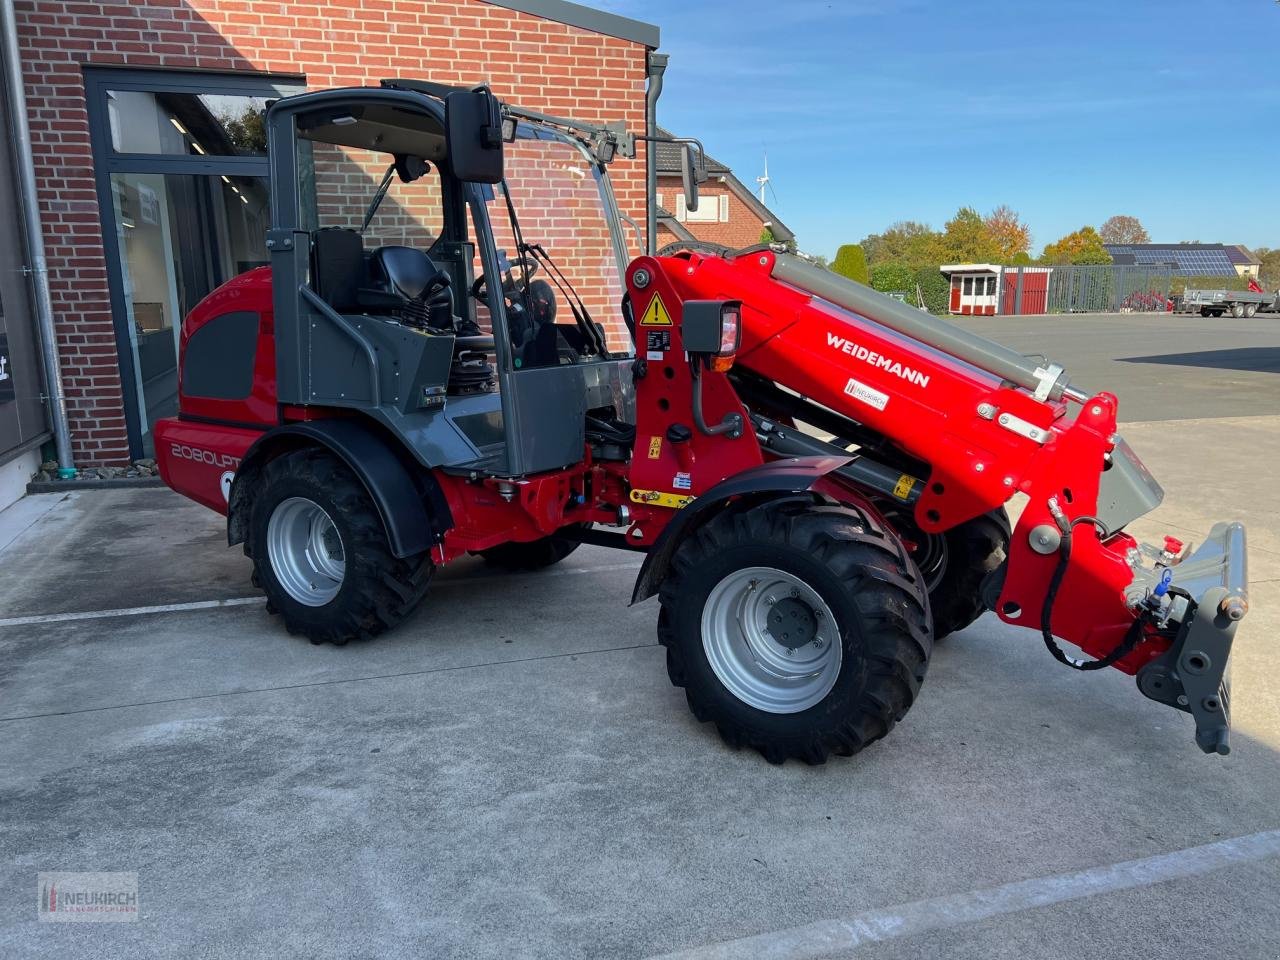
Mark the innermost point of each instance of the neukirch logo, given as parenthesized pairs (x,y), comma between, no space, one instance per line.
(87,897)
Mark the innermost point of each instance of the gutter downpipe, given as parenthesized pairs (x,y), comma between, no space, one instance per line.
(38,267)
(657,67)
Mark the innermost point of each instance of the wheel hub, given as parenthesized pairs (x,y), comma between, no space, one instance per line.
(791,623)
(771,639)
(305,551)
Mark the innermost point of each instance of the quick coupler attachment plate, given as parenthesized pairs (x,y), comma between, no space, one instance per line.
(1193,675)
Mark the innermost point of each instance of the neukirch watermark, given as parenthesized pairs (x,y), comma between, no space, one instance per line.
(87,897)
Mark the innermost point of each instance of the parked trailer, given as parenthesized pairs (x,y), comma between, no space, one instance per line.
(1239,303)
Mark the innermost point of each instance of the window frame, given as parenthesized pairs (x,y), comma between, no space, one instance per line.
(98,80)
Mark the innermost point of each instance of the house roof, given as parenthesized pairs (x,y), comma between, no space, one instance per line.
(668,220)
(1238,253)
(667,157)
(588,18)
(1189,259)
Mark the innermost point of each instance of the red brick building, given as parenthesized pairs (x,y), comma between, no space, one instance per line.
(150,161)
(728,213)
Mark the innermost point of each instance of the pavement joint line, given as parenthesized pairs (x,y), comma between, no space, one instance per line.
(337,681)
(247,601)
(830,937)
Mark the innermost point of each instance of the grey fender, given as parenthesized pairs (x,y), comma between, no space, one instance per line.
(778,477)
(414,511)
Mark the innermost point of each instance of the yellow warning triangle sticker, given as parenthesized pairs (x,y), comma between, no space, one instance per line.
(655,314)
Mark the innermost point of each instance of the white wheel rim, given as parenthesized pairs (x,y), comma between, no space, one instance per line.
(305,551)
(771,640)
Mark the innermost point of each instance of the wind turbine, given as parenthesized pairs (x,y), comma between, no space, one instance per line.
(763,180)
(766,182)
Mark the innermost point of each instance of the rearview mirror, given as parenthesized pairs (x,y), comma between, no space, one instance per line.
(473,126)
(689,177)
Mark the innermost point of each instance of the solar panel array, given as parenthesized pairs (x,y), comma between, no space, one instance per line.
(1188,259)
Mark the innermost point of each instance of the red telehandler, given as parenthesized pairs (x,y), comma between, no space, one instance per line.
(815,473)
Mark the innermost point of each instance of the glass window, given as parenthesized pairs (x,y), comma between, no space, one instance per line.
(180,237)
(556,192)
(340,186)
(968,286)
(187,124)
(991,286)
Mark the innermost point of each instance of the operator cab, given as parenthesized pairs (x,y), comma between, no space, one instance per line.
(447,295)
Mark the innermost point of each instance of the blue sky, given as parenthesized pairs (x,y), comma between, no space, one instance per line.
(880,110)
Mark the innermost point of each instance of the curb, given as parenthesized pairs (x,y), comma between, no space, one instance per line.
(115,483)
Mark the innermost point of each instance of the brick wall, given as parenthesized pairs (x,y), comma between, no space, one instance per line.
(537,63)
(742,229)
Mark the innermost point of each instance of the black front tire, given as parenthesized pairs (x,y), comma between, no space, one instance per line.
(862,573)
(975,549)
(378,589)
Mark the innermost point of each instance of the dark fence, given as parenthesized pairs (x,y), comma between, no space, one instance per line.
(1086,288)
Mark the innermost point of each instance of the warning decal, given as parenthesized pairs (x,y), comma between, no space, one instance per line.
(655,314)
(655,448)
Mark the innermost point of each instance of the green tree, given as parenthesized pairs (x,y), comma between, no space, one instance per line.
(1081,246)
(1269,272)
(766,236)
(893,277)
(966,239)
(1021,259)
(247,132)
(851,262)
(914,244)
(934,287)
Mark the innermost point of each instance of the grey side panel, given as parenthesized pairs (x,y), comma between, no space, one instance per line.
(1127,490)
(609,383)
(218,361)
(551,404)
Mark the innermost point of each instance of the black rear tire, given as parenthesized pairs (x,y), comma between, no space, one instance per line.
(378,590)
(532,554)
(861,572)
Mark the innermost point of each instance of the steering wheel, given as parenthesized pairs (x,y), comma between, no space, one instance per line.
(527,268)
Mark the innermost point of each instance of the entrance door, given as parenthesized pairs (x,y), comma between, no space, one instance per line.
(181,164)
(23,415)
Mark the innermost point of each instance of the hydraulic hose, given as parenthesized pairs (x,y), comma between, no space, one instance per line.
(732,422)
(1132,635)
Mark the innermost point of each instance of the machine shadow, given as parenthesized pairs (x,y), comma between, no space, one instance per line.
(1248,359)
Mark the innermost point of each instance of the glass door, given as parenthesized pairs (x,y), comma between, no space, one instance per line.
(181,163)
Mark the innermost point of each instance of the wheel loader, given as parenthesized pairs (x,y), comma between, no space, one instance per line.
(452,353)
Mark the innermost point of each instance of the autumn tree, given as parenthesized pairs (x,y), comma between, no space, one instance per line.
(851,262)
(1124,229)
(1081,246)
(1010,234)
(966,239)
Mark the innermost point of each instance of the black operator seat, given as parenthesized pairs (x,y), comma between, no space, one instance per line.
(409,273)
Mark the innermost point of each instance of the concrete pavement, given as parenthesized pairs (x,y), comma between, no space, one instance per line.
(511,775)
(1162,366)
